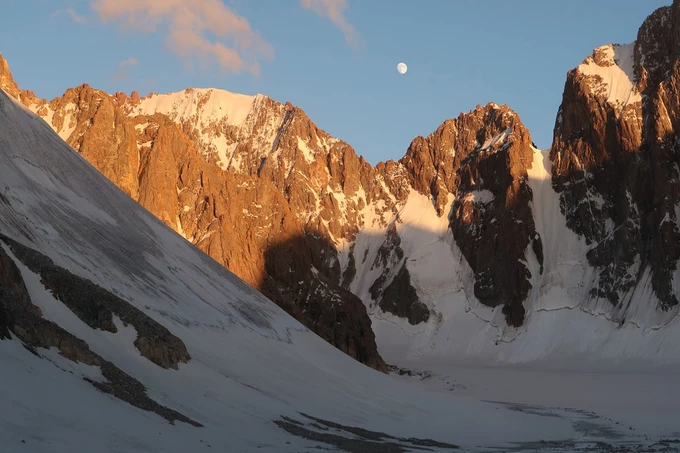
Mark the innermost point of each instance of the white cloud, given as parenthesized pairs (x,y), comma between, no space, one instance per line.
(77,18)
(124,68)
(206,30)
(334,10)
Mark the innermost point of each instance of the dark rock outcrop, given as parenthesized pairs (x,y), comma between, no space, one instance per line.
(299,280)
(401,299)
(20,317)
(4,323)
(96,307)
(354,439)
(393,289)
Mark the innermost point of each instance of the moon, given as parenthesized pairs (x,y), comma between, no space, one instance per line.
(402,68)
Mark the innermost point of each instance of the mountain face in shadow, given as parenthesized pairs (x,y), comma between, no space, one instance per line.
(297,279)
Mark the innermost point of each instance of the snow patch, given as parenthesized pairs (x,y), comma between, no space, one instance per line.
(496,140)
(308,154)
(207,105)
(479,196)
(209,111)
(617,75)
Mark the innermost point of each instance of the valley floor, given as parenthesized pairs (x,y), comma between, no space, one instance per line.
(632,410)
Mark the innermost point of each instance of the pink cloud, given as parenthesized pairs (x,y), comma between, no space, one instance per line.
(334,10)
(190,25)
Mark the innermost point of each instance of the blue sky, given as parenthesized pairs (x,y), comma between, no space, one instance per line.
(336,59)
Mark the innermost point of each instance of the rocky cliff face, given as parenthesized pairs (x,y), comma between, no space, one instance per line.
(481,159)
(615,160)
(333,240)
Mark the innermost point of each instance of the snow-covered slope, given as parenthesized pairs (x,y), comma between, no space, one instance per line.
(251,364)
(571,351)
(205,105)
(612,67)
(209,111)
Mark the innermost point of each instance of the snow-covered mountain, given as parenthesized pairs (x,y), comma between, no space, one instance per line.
(555,272)
(576,247)
(474,244)
(112,325)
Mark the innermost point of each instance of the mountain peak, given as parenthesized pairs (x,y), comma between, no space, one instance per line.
(432,161)
(8,85)
(610,72)
(7,82)
(207,104)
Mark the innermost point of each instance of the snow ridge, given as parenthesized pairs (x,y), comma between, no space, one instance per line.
(209,111)
(612,66)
